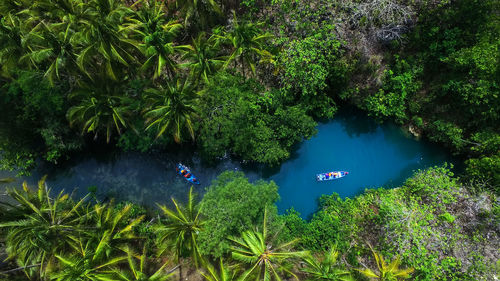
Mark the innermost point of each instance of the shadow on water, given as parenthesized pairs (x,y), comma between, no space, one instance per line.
(355,122)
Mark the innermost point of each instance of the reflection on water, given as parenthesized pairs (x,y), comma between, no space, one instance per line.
(375,155)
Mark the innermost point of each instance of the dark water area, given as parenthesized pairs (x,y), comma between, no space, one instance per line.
(375,155)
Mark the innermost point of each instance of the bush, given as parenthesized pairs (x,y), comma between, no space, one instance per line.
(310,66)
(232,205)
(400,84)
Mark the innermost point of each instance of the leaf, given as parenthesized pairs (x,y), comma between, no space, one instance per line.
(368,273)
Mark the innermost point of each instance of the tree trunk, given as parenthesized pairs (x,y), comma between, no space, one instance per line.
(20,268)
(242,66)
(180,272)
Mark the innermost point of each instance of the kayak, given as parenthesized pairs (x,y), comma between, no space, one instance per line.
(186,173)
(331,175)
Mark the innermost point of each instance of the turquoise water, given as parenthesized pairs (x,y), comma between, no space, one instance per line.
(374,155)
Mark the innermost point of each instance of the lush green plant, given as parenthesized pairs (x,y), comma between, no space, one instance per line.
(94,50)
(326,268)
(12,32)
(196,11)
(247,41)
(114,228)
(52,46)
(435,184)
(34,120)
(387,272)
(255,126)
(179,233)
(308,66)
(172,108)
(158,36)
(143,269)
(202,56)
(293,225)
(224,273)
(106,43)
(447,217)
(99,110)
(232,196)
(84,264)
(337,222)
(44,226)
(486,168)
(400,84)
(266,260)
(448,133)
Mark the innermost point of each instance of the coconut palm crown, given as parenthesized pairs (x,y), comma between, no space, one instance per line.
(265,260)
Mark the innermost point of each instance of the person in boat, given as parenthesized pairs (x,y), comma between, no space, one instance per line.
(188,175)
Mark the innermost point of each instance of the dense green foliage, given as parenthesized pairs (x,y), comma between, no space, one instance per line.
(151,73)
(242,118)
(232,196)
(127,74)
(33,112)
(431,228)
(445,82)
(309,64)
(432,66)
(425,222)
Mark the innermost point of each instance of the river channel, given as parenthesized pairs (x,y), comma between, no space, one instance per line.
(375,155)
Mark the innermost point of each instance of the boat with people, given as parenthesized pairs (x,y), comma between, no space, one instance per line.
(185,172)
(331,175)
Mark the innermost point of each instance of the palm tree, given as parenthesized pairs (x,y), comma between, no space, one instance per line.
(197,9)
(56,11)
(85,264)
(114,228)
(225,273)
(13,7)
(326,268)
(101,30)
(52,45)
(248,42)
(157,35)
(96,255)
(101,107)
(266,261)
(46,227)
(202,57)
(141,271)
(172,109)
(12,34)
(180,232)
(387,272)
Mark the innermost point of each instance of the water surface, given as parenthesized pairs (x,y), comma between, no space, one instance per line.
(375,155)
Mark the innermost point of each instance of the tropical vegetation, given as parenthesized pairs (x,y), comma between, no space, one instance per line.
(248,79)
(53,237)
